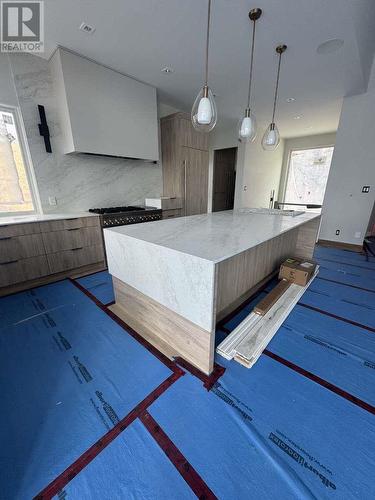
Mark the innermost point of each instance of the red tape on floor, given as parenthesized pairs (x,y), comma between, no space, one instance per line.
(187,471)
(208,380)
(322,382)
(63,479)
(335,316)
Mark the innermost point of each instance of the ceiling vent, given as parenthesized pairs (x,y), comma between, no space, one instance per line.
(87,28)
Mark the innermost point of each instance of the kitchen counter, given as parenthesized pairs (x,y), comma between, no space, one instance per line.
(24,219)
(174,279)
(215,236)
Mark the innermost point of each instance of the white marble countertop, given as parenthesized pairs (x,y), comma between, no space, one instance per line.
(215,236)
(24,219)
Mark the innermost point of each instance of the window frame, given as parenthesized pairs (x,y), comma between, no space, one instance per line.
(287,167)
(27,161)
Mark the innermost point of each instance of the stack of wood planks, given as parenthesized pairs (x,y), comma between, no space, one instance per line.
(247,342)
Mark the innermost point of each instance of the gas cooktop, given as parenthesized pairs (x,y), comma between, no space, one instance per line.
(120,216)
(116,210)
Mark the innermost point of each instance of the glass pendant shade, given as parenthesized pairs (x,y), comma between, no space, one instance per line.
(204,111)
(271,138)
(247,127)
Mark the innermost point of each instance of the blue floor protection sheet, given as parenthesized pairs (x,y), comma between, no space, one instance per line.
(349,303)
(341,353)
(337,352)
(25,305)
(100,285)
(268,433)
(132,466)
(344,257)
(349,275)
(67,377)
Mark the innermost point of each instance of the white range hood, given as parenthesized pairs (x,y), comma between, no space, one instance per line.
(103,112)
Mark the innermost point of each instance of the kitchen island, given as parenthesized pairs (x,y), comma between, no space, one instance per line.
(174,279)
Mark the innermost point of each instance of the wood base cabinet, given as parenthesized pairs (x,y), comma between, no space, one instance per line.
(41,252)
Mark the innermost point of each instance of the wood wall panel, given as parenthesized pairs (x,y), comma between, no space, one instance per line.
(307,237)
(166,330)
(240,273)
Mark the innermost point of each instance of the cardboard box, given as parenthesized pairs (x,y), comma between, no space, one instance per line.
(297,271)
(272,297)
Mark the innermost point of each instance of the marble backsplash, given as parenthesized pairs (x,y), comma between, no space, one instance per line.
(78,181)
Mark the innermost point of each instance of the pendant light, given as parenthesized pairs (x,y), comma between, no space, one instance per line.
(247,124)
(271,138)
(204,112)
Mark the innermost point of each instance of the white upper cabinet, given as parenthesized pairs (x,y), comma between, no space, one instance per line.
(102,111)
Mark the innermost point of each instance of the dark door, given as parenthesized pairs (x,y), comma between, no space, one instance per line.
(224,179)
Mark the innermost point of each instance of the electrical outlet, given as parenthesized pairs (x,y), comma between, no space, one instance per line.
(245,188)
(366,189)
(337,232)
(357,234)
(52,200)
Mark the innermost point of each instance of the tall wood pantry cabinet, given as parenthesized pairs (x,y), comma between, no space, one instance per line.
(185,163)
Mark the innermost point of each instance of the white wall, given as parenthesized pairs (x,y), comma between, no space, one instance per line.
(345,207)
(79,182)
(8,94)
(257,171)
(307,142)
(261,174)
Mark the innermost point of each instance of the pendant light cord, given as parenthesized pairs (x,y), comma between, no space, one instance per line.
(207,40)
(251,66)
(276,89)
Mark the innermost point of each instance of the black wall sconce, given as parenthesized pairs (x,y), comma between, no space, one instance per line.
(43,128)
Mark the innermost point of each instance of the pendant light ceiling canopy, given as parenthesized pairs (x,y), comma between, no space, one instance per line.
(204,112)
(271,138)
(247,124)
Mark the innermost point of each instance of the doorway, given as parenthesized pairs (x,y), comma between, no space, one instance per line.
(224,179)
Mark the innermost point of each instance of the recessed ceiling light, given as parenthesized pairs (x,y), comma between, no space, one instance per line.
(167,70)
(290,99)
(330,46)
(298,117)
(87,28)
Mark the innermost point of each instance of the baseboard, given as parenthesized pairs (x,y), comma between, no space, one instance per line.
(338,244)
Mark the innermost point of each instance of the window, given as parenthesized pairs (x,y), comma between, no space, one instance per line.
(16,194)
(308,171)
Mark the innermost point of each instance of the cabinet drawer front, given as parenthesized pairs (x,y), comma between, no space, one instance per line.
(171,214)
(78,257)
(20,247)
(57,241)
(17,271)
(19,229)
(73,223)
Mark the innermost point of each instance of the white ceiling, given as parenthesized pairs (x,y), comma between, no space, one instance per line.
(140,37)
